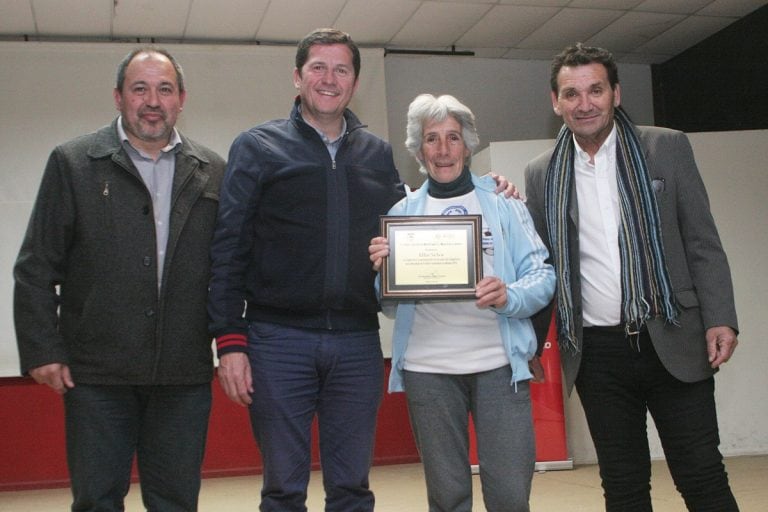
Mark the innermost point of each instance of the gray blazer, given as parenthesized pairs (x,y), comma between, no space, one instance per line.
(698,267)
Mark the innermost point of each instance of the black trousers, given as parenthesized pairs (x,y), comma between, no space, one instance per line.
(619,382)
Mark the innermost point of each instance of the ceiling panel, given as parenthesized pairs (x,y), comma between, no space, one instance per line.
(544,3)
(634,29)
(230,20)
(568,27)
(506,25)
(85,17)
(290,21)
(375,22)
(437,24)
(148,18)
(685,34)
(677,6)
(16,17)
(605,4)
(649,31)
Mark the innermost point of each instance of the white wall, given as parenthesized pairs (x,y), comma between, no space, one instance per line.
(51,92)
(510,98)
(732,165)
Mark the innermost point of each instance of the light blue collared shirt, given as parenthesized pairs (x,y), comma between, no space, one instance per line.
(331,145)
(158,178)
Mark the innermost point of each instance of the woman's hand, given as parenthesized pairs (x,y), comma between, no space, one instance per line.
(491,292)
(378,249)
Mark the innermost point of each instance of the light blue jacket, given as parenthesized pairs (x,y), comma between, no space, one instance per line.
(519,260)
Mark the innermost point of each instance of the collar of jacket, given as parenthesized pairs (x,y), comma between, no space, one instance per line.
(107,143)
(353,123)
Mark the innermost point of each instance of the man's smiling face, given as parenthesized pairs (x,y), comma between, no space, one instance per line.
(326,83)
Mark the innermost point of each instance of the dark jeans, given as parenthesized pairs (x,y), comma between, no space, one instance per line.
(165,426)
(299,374)
(618,384)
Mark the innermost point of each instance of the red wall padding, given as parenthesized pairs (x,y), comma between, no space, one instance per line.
(32,453)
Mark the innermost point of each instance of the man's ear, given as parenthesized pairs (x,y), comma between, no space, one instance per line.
(118,98)
(555,104)
(296,77)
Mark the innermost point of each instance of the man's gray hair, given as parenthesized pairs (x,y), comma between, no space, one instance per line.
(425,108)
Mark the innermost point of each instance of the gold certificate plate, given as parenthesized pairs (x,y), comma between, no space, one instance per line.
(431,256)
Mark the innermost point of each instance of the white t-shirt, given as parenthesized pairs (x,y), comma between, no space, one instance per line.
(454,336)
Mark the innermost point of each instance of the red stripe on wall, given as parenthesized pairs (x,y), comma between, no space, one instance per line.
(32,452)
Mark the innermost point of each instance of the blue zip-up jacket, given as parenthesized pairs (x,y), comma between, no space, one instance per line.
(518,260)
(293,230)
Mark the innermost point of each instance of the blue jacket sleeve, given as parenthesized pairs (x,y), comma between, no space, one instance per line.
(532,284)
(231,248)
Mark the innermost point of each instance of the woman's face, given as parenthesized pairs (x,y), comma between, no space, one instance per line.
(443,152)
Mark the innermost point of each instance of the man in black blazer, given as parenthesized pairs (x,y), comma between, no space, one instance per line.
(644,307)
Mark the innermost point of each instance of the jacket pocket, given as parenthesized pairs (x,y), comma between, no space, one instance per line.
(687,299)
(106,205)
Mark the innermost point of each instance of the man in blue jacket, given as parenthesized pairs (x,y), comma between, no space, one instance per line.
(300,202)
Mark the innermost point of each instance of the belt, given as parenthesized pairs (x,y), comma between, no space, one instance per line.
(613,329)
(630,333)
(604,329)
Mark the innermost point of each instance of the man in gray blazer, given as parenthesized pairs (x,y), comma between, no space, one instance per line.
(644,303)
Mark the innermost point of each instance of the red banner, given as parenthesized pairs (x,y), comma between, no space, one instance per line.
(548,411)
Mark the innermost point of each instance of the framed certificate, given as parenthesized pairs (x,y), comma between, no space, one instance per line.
(431,256)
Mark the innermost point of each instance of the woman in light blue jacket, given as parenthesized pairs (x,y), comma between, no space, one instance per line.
(456,357)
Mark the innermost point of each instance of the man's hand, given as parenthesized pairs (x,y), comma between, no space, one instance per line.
(491,291)
(377,250)
(235,377)
(503,185)
(721,342)
(55,375)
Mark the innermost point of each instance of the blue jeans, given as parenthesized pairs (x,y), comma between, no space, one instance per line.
(439,406)
(618,384)
(299,374)
(165,426)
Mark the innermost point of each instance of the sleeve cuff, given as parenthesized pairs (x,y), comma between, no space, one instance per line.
(227,343)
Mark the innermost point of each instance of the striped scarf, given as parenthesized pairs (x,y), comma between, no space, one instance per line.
(645,284)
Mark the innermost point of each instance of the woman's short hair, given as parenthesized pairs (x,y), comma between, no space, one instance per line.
(425,108)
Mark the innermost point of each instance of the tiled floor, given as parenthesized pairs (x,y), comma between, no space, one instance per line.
(401,489)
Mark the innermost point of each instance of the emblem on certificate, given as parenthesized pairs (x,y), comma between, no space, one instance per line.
(431,256)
